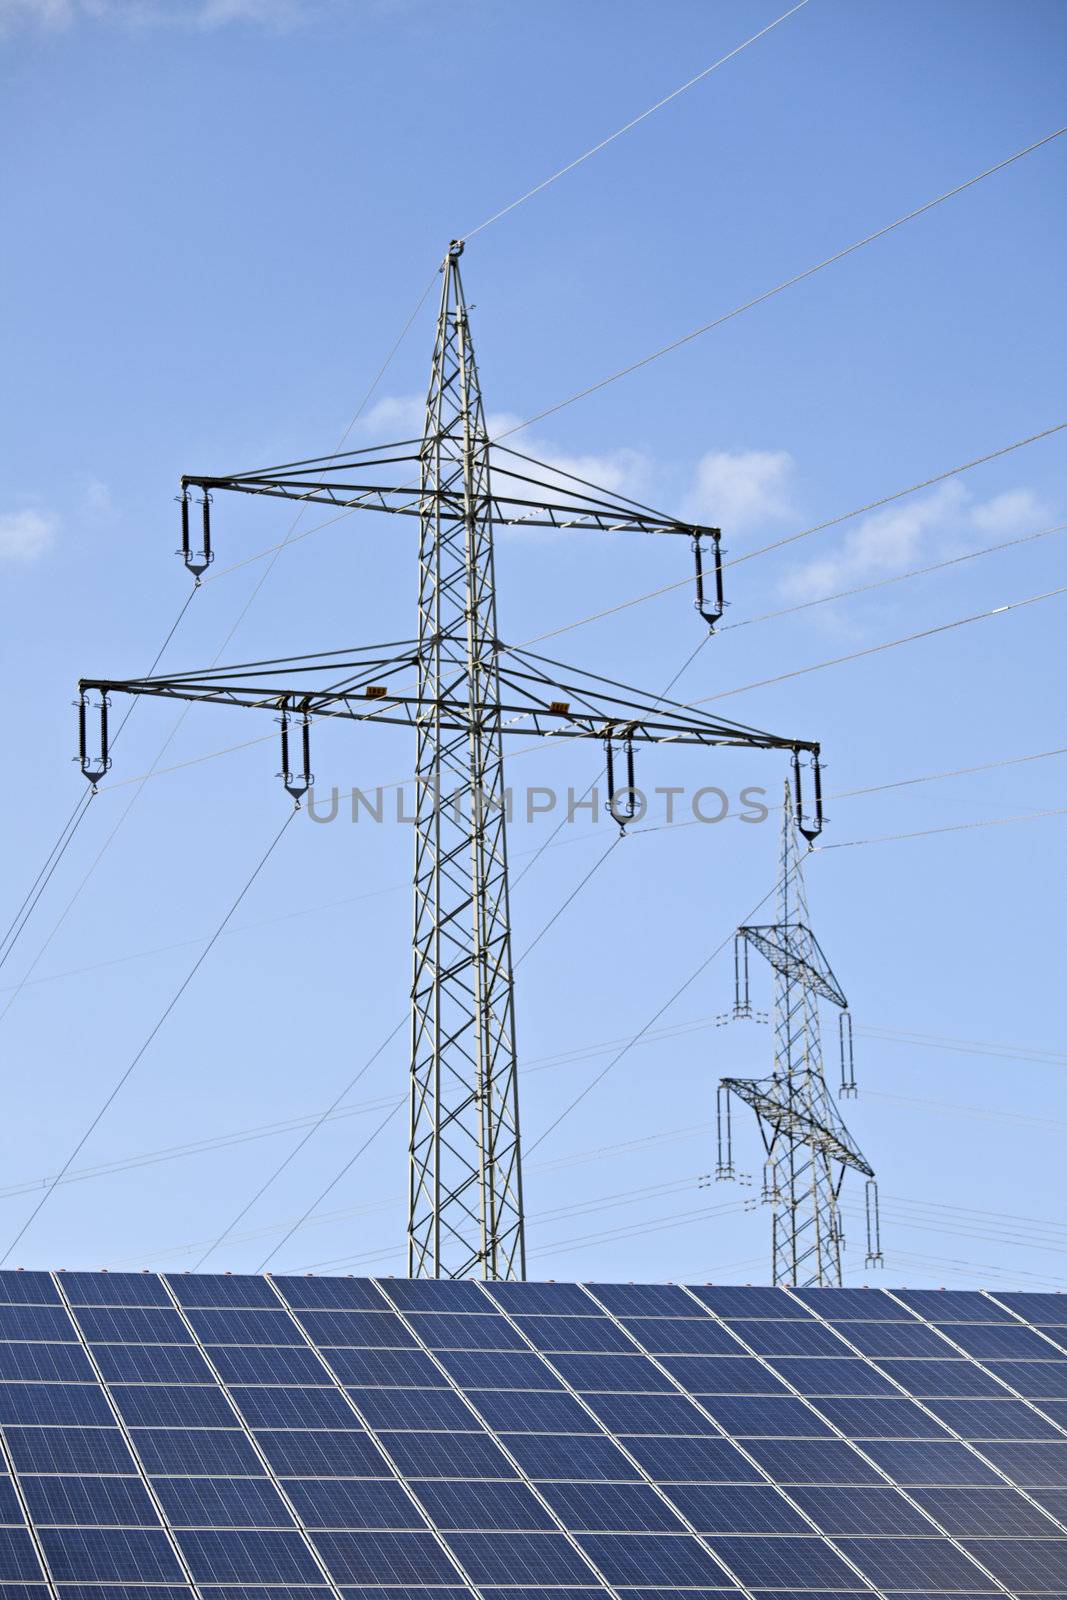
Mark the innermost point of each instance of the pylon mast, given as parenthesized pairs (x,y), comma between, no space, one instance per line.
(465,1184)
(471,689)
(808,1148)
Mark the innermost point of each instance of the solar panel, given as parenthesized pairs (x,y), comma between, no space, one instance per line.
(244,1438)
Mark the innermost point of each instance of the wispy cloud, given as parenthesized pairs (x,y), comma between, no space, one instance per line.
(54,15)
(26,535)
(945,522)
(740,490)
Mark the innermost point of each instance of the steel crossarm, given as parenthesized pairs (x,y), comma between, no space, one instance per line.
(795,952)
(770,1099)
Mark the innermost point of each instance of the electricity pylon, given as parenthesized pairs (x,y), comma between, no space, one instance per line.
(808,1148)
(465,1211)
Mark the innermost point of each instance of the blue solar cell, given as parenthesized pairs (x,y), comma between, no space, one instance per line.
(1037,1380)
(93,1502)
(435,1593)
(149,1363)
(1057,1411)
(129,1325)
(645,1299)
(307,1454)
(983,1511)
(122,1591)
(533,1412)
(222,1290)
(881,1419)
(56,1363)
(41,1591)
(353,1503)
(724,1375)
(757,1418)
(213,1591)
(650,1413)
(68,1450)
(994,1419)
(1039,1466)
(613,1374)
(789,1338)
(103,1555)
(1038,1308)
(532,1558)
(1024,1563)
(812,1461)
(441,1330)
(749,1302)
(237,1556)
(826,1375)
(949,1378)
(867,1510)
(894,1339)
(1054,1501)
(114,1289)
(214,1451)
(910,1462)
(762,1563)
(690,1461)
(244,1327)
(499,1370)
(680,1336)
(330,1294)
(1013,1343)
(18,1559)
(911,1563)
(385,1557)
(414,1408)
(507,1506)
(421,1294)
(848,1305)
(569,1455)
(447,1455)
(10,1509)
(386,1368)
(381,1330)
(64,1404)
(953,1305)
(222,1503)
(28,1288)
(612,1508)
(248,1363)
(509,1593)
(171,1405)
(550,1299)
(592,1334)
(294,1408)
(725,1508)
(651,1558)
(36,1322)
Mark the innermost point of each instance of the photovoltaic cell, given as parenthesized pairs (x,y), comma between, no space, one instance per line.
(270,1467)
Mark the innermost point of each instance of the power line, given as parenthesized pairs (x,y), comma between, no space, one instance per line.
(956,827)
(641,117)
(788,283)
(124,1077)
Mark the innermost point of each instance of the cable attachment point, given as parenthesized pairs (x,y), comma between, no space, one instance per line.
(710,609)
(92,768)
(296,784)
(809,825)
(622,803)
(196,561)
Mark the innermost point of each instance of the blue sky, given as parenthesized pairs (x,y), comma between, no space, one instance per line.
(218,218)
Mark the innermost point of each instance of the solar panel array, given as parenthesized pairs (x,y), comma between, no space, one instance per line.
(251,1438)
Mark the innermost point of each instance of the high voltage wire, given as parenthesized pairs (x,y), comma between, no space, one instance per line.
(634,121)
(955,827)
(787,283)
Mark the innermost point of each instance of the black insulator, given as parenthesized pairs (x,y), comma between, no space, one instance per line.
(710,609)
(92,768)
(623,812)
(297,784)
(811,825)
(197,561)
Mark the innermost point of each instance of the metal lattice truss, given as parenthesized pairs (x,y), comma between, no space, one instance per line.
(461,690)
(807,1146)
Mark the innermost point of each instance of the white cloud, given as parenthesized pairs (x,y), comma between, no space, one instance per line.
(941,524)
(26,535)
(204,14)
(739,490)
(399,416)
(97,498)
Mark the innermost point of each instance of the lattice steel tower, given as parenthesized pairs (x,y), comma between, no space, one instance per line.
(808,1148)
(470,690)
